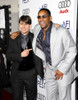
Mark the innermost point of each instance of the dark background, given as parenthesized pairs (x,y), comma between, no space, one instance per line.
(77,55)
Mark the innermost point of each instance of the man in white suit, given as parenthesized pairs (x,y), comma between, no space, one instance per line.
(57,49)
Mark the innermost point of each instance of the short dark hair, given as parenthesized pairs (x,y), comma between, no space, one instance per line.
(26,19)
(47,10)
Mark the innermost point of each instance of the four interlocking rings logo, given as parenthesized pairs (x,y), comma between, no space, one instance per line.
(25,1)
(64,4)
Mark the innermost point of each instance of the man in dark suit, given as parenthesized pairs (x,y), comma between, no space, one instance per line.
(25,64)
(4,80)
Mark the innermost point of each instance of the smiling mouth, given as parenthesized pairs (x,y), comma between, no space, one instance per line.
(23,29)
(42,23)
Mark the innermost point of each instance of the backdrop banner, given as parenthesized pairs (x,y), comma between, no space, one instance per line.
(64,12)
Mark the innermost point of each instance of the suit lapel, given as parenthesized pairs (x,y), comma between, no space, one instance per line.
(30,40)
(36,32)
(18,42)
(31,37)
(36,50)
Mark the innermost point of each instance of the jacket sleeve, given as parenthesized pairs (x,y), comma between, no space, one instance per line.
(39,66)
(12,53)
(70,52)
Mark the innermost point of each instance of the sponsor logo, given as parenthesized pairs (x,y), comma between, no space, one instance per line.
(41,83)
(41,97)
(43,6)
(25,1)
(66,24)
(64,11)
(64,4)
(26,11)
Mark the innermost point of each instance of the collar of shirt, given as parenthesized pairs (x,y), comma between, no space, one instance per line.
(24,40)
(24,36)
(47,36)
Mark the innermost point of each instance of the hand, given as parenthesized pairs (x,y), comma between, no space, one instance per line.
(57,25)
(58,75)
(15,34)
(25,53)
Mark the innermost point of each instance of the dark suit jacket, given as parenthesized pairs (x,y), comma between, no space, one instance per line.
(14,54)
(4,80)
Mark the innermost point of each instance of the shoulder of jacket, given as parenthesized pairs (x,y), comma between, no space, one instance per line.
(58,27)
(31,34)
(14,35)
(61,28)
(37,26)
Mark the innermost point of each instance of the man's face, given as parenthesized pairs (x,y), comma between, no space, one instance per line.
(24,28)
(44,19)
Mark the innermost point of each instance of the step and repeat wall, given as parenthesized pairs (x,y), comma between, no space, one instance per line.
(64,12)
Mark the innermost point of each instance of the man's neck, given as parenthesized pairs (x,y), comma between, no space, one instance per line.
(25,33)
(45,29)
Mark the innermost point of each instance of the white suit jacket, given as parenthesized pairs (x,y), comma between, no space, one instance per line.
(63,52)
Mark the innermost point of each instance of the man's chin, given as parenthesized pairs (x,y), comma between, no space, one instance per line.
(42,27)
(24,33)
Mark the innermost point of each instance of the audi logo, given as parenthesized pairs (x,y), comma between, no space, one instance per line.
(26,11)
(25,1)
(64,4)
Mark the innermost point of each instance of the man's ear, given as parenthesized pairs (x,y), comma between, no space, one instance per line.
(30,25)
(57,25)
(50,18)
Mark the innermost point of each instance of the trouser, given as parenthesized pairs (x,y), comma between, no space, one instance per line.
(55,91)
(1,86)
(27,79)
(0,92)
